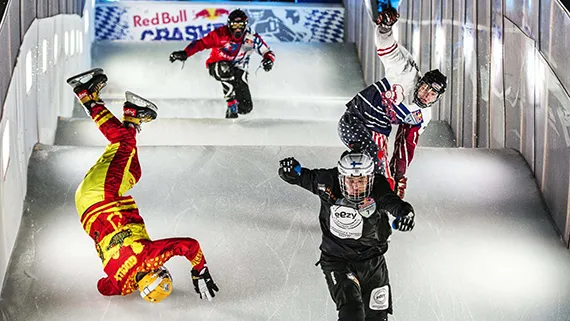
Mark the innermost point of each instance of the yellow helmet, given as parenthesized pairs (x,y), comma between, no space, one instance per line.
(155,286)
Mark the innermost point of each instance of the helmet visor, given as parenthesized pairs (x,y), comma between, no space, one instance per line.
(237,27)
(356,188)
(426,94)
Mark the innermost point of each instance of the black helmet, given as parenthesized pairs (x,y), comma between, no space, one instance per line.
(237,23)
(434,84)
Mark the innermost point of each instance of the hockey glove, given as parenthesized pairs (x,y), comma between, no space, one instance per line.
(178,55)
(203,284)
(387,18)
(289,169)
(267,64)
(404,223)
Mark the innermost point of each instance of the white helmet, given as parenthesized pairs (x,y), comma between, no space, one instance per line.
(355,174)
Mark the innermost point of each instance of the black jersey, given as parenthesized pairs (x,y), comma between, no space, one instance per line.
(348,235)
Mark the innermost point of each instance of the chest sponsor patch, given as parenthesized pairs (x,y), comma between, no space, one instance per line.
(414,117)
(345,222)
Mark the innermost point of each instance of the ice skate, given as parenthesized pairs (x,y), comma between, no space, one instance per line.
(87,86)
(232,111)
(137,110)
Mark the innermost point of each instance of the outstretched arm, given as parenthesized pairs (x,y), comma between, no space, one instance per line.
(291,171)
(395,58)
(211,40)
(188,247)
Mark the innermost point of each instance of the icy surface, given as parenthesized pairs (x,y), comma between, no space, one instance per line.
(483,248)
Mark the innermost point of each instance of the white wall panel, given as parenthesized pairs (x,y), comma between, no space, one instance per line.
(31,115)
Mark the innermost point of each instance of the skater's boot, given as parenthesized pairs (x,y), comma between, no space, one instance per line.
(137,110)
(87,86)
(232,111)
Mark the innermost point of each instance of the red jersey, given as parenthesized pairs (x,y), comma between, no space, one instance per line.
(125,248)
(225,47)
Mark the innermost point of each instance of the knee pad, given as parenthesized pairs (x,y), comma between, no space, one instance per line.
(222,71)
(380,303)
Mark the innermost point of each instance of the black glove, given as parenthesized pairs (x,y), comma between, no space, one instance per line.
(289,169)
(404,223)
(267,64)
(387,18)
(178,55)
(203,284)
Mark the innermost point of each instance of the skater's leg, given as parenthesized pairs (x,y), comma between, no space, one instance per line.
(243,95)
(344,289)
(224,72)
(376,290)
(118,169)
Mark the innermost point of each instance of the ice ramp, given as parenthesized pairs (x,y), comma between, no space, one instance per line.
(483,247)
(309,80)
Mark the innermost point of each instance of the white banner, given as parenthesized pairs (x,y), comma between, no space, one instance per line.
(136,21)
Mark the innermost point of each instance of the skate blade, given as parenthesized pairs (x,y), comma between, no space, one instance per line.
(77,79)
(139,101)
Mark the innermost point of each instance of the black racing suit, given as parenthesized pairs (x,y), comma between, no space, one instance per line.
(352,245)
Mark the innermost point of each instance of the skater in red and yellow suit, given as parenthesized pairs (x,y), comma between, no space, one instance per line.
(130,258)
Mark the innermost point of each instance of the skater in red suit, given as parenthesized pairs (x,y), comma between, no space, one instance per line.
(232,46)
(130,258)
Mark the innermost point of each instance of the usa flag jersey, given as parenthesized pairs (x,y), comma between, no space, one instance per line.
(390,101)
(225,47)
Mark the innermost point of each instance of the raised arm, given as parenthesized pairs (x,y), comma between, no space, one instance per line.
(395,58)
(291,171)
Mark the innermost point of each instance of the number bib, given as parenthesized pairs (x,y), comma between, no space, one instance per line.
(345,222)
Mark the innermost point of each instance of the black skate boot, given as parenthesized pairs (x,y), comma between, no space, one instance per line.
(87,86)
(232,111)
(137,110)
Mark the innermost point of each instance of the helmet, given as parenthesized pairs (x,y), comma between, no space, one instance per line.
(156,285)
(355,174)
(237,22)
(429,88)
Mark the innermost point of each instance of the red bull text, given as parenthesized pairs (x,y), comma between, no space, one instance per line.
(160,18)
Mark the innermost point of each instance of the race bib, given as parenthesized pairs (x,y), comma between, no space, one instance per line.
(367,207)
(345,222)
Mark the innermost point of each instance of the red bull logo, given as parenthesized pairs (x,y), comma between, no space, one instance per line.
(160,18)
(211,13)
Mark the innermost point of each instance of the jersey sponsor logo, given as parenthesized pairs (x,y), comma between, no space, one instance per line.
(367,207)
(380,298)
(326,190)
(129,263)
(414,118)
(345,222)
(119,238)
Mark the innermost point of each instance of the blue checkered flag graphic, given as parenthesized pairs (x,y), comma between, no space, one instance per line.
(111,23)
(326,25)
